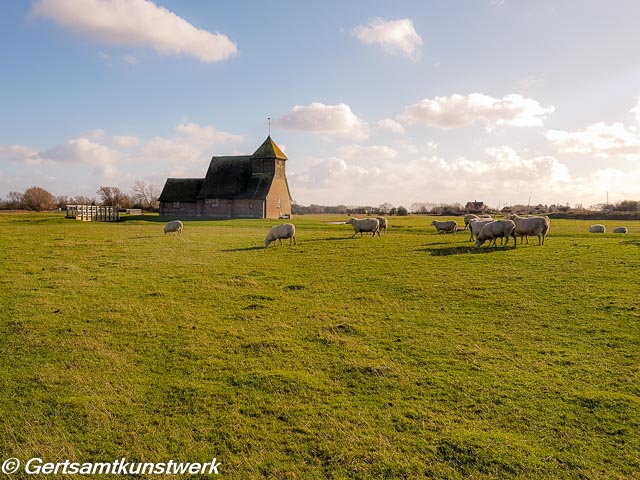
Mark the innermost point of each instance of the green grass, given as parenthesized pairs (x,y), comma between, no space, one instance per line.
(407,356)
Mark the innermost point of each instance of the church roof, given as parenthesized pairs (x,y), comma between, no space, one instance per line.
(181,190)
(269,149)
(228,177)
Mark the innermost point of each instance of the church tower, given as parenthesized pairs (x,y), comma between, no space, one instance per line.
(269,160)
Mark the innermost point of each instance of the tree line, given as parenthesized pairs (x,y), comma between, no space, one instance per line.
(143,195)
(383,209)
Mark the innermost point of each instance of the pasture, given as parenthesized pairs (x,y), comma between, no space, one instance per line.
(407,356)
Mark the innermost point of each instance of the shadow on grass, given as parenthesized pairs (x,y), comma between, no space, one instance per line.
(631,242)
(443,252)
(329,239)
(244,249)
(156,219)
(286,245)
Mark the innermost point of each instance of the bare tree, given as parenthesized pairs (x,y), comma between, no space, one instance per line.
(38,199)
(112,196)
(61,201)
(385,207)
(15,201)
(145,194)
(82,200)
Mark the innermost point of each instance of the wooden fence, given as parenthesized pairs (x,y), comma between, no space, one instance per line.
(93,213)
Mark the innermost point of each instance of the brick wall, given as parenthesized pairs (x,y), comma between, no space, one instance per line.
(178,209)
(278,201)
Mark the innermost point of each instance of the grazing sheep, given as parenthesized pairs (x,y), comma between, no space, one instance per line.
(364,225)
(497,229)
(383,223)
(175,226)
(468,218)
(445,227)
(475,226)
(620,230)
(525,226)
(286,230)
(597,228)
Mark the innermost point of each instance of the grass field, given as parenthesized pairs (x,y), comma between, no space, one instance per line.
(407,356)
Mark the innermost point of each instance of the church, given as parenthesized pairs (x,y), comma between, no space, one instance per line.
(243,186)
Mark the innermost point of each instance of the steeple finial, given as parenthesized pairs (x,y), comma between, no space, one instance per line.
(269,122)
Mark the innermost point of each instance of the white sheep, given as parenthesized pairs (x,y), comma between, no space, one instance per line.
(597,228)
(468,218)
(525,226)
(286,230)
(475,226)
(364,225)
(383,223)
(620,230)
(445,227)
(497,229)
(175,226)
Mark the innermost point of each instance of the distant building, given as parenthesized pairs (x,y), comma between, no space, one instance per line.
(475,207)
(244,186)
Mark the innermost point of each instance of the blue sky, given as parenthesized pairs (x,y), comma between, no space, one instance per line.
(401,102)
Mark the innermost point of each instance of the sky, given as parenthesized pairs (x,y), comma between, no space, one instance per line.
(427,101)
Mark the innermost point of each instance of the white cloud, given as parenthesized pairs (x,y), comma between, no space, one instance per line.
(76,152)
(502,175)
(131,59)
(84,151)
(636,110)
(373,152)
(325,119)
(161,148)
(126,141)
(136,22)
(599,139)
(20,153)
(119,159)
(458,111)
(397,37)
(390,125)
(206,135)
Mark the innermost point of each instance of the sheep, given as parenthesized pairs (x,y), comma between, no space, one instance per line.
(597,228)
(445,227)
(364,225)
(475,226)
(468,218)
(383,223)
(286,230)
(497,229)
(538,226)
(620,230)
(175,226)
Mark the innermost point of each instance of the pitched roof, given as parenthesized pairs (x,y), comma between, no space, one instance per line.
(269,149)
(181,190)
(227,177)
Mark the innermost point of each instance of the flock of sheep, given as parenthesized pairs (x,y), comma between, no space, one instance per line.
(482,228)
